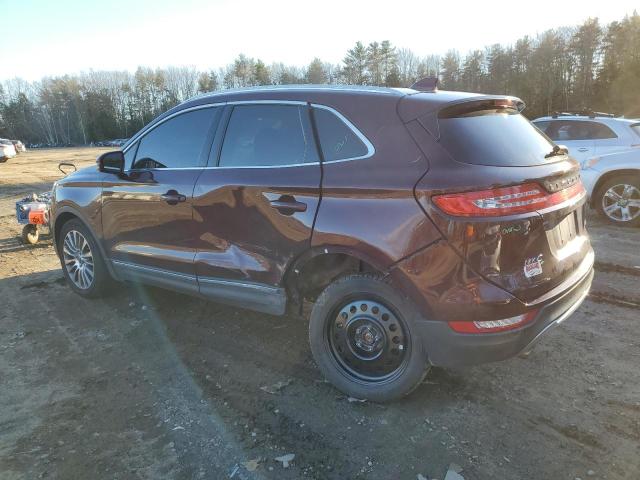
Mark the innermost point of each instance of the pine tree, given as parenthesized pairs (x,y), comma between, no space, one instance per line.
(316,72)
(354,71)
(261,74)
(451,70)
(207,82)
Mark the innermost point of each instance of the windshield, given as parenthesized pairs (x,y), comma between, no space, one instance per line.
(500,137)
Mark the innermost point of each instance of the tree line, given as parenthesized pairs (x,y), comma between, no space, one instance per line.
(589,66)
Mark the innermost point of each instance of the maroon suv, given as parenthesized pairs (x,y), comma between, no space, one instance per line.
(427,227)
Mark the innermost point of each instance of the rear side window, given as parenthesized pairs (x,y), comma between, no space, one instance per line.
(499,137)
(563,130)
(337,140)
(176,143)
(600,131)
(636,128)
(268,135)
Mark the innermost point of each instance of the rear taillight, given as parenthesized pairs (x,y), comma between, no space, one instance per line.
(493,326)
(495,202)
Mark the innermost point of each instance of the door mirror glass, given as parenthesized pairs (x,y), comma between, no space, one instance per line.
(111,162)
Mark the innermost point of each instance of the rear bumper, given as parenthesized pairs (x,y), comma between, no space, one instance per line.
(449,349)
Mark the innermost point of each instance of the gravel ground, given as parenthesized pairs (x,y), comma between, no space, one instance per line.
(153,384)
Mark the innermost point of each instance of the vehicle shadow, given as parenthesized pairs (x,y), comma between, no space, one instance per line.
(15,244)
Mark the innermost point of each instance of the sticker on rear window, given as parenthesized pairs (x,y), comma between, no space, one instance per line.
(533,266)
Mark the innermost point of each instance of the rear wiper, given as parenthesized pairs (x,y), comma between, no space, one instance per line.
(557,150)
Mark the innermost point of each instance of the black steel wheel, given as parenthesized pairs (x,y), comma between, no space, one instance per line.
(368,340)
(363,338)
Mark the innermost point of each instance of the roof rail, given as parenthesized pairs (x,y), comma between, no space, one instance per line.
(427,84)
(586,113)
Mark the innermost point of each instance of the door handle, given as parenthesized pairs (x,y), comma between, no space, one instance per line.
(583,149)
(288,205)
(173,198)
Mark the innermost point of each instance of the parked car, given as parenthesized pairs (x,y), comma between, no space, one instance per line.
(590,134)
(19,146)
(613,185)
(7,150)
(426,227)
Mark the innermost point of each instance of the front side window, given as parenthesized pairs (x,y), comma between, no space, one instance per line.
(130,154)
(176,143)
(337,140)
(268,135)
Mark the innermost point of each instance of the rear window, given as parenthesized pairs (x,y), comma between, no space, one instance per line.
(636,128)
(492,136)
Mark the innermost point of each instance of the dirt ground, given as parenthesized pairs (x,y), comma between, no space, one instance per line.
(153,384)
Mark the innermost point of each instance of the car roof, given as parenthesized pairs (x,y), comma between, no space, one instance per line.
(414,102)
(406,102)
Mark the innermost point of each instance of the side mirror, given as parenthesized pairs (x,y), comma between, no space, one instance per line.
(111,162)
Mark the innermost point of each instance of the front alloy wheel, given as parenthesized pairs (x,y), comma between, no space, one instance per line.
(620,201)
(78,259)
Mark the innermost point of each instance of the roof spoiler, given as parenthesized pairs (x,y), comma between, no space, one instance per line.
(427,84)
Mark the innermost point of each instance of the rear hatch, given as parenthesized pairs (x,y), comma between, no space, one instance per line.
(506,198)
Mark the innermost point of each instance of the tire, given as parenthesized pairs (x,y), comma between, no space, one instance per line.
(71,235)
(618,200)
(364,339)
(30,234)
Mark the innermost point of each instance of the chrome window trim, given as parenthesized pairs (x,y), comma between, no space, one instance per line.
(142,133)
(293,165)
(226,168)
(308,88)
(370,148)
(271,102)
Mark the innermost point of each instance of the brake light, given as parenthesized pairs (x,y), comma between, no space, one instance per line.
(493,326)
(495,202)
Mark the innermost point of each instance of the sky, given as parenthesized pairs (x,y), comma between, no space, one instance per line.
(57,37)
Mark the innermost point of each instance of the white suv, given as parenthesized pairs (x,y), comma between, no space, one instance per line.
(608,150)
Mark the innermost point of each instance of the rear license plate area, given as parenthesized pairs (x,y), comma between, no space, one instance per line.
(564,232)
